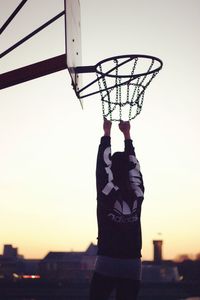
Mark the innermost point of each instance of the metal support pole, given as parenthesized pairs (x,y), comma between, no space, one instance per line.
(32,34)
(15,12)
(33,71)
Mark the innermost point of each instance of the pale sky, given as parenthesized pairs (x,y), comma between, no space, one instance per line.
(48,144)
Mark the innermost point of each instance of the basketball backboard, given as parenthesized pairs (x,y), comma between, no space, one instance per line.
(73,40)
(70,59)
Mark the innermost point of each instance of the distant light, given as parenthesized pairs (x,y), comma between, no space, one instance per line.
(30,276)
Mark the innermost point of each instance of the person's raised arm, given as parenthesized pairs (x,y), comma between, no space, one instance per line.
(125,127)
(135,174)
(107,127)
(103,171)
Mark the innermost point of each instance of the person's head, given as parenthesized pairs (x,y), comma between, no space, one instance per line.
(120,168)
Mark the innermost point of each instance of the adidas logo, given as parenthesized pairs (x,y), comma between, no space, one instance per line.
(124,209)
(123,213)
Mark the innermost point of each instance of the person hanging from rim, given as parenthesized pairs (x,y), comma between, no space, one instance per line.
(120,193)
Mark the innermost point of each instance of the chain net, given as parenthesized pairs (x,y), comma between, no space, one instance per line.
(122,95)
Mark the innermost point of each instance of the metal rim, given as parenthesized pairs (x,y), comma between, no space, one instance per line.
(129,58)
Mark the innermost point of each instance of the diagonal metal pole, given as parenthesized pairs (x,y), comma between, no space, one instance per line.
(15,12)
(32,34)
(33,71)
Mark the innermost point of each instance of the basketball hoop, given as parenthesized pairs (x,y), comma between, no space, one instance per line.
(122,82)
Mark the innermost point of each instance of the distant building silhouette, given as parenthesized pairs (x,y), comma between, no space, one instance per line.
(7,267)
(8,262)
(88,261)
(79,266)
(157,244)
(68,266)
(10,252)
(61,266)
(13,265)
(159,270)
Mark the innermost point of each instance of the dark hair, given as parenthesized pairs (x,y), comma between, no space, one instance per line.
(120,168)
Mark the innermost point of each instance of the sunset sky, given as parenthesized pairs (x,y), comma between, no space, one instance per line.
(48,144)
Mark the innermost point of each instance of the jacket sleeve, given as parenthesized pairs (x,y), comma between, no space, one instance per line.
(135,175)
(104,176)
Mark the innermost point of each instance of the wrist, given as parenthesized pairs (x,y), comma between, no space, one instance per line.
(127,136)
(107,133)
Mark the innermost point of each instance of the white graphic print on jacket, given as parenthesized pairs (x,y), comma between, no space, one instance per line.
(122,212)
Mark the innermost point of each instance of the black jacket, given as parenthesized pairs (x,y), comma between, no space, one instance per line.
(118,212)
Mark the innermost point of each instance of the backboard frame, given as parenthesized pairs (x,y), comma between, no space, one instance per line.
(73,40)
